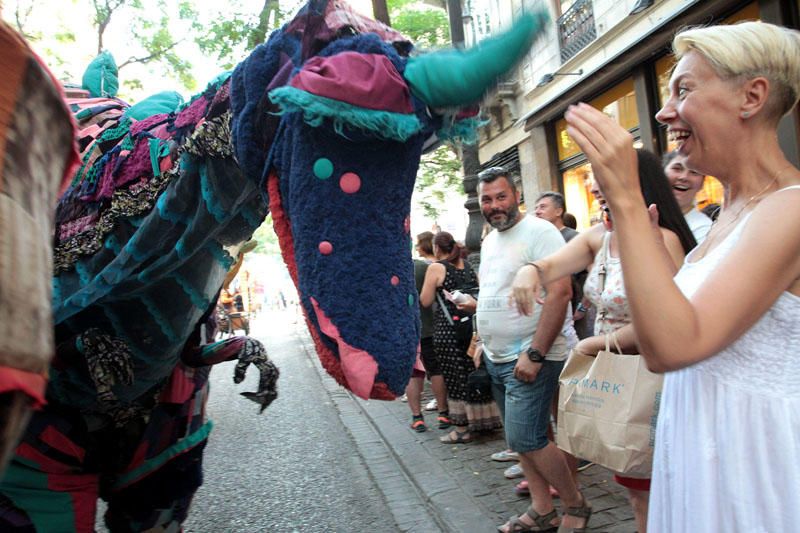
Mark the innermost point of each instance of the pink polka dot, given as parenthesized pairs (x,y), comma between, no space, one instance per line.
(325,248)
(395,281)
(350,182)
(407,224)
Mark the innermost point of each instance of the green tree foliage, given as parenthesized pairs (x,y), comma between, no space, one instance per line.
(150,24)
(267,240)
(425,25)
(238,29)
(438,180)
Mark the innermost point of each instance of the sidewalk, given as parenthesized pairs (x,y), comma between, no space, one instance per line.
(434,487)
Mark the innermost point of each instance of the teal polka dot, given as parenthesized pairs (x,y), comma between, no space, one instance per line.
(323,168)
(410,300)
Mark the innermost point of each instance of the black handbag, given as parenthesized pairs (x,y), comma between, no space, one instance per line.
(480,381)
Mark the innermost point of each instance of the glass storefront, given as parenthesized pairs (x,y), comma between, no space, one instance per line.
(619,102)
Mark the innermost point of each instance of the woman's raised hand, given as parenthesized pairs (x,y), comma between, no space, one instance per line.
(609,148)
(525,289)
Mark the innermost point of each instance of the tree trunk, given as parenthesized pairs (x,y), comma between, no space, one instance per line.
(381,11)
(259,34)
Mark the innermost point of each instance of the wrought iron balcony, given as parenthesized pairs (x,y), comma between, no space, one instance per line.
(576,28)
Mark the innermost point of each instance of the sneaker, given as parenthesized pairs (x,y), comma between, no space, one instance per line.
(514,471)
(505,455)
(431,405)
(583,464)
(403,398)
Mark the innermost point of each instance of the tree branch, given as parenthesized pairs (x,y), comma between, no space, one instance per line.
(151,57)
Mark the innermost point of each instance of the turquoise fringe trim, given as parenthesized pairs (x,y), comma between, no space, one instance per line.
(112,243)
(83,274)
(251,217)
(166,214)
(462,131)
(315,109)
(208,197)
(195,296)
(56,295)
(137,254)
(160,319)
(161,459)
(220,254)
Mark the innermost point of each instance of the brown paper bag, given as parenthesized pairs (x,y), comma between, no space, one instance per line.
(607,411)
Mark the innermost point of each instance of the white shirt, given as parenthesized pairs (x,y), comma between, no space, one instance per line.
(505,332)
(699,223)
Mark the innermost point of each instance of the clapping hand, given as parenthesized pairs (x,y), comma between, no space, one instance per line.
(609,148)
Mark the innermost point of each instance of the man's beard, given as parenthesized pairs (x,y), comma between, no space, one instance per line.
(503,224)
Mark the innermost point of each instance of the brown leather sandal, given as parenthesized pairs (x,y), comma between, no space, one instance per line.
(540,522)
(582,511)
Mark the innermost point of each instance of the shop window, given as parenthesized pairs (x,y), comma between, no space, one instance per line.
(619,102)
(578,196)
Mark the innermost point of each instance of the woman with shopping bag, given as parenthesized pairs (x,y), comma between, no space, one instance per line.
(604,287)
(725,329)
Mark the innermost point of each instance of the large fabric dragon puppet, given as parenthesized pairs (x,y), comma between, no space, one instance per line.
(323,126)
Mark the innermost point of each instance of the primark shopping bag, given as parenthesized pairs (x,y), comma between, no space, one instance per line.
(607,409)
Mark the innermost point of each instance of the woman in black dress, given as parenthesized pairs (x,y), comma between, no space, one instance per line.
(470,410)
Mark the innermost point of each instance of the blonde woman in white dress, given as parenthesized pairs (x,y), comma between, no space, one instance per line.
(726,330)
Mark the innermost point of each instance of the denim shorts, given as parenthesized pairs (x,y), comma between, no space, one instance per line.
(525,407)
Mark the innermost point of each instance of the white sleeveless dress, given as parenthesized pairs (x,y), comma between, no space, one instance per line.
(727,454)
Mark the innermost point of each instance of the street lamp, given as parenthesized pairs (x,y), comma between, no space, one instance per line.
(550,76)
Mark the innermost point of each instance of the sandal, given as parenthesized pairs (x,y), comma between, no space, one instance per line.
(540,522)
(444,420)
(460,438)
(418,425)
(583,511)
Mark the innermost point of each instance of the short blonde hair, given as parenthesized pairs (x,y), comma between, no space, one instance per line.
(747,50)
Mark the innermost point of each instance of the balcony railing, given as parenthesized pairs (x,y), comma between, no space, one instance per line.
(576,29)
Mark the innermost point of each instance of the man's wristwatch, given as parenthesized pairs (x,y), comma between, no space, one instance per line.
(534,355)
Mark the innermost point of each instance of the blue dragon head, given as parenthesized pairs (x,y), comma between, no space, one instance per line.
(346,110)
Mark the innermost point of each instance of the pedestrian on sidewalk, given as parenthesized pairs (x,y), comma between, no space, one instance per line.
(525,354)
(427,353)
(724,329)
(471,410)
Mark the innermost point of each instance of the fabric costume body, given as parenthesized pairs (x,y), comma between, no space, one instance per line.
(319,127)
(37,156)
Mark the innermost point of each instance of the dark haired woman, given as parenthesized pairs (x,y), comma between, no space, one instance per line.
(470,411)
(599,247)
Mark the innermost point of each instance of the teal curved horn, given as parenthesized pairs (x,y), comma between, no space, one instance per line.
(455,78)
